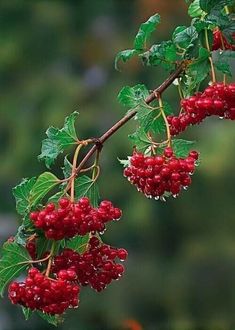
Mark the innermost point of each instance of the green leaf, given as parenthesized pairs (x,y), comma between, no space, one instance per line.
(85,186)
(184,37)
(45,182)
(52,319)
(21,193)
(164,54)
(67,169)
(145,31)
(43,245)
(195,10)
(54,198)
(200,68)
(124,56)
(140,140)
(58,140)
(211,5)
(181,147)
(77,243)
(224,60)
(13,262)
(27,312)
(124,162)
(132,96)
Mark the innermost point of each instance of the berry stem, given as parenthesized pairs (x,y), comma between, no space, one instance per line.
(131,114)
(96,169)
(75,158)
(50,259)
(226,10)
(210,58)
(165,120)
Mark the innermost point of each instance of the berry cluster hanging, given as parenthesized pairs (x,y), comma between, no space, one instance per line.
(59,248)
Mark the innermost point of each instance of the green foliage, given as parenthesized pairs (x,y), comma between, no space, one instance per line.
(58,140)
(27,312)
(145,31)
(140,140)
(223,61)
(14,260)
(77,243)
(214,5)
(22,193)
(200,68)
(181,147)
(195,10)
(85,186)
(164,54)
(131,97)
(43,245)
(45,182)
(184,37)
(52,319)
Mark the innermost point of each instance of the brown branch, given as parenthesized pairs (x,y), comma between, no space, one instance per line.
(159,90)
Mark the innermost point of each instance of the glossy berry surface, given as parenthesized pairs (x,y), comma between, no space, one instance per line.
(161,176)
(44,294)
(217,100)
(96,267)
(220,42)
(71,219)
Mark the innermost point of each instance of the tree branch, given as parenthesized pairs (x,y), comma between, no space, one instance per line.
(159,90)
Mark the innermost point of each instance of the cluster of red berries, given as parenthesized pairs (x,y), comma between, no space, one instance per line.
(220,42)
(160,176)
(44,294)
(218,99)
(95,267)
(71,219)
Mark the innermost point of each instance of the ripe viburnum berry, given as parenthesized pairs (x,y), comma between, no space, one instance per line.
(95,267)
(158,176)
(220,42)
(71,219)
(44,294)
(218,100)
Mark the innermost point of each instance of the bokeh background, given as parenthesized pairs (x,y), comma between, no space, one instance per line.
(57,57)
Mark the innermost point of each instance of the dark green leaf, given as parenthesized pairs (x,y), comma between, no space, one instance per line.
(224,60)
(132,96)
(43,245)
(182,147)
(214,5)
(27,312)
(78,243)
(145,31)
(52,319)
(58,140)
(45,182)
(124,56)
(200,68)
(164,54)
(21,193)
(85,186)
(14,261)
(140,140)
(184,37)
(67,169)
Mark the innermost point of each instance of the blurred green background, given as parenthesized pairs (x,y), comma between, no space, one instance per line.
(57,57)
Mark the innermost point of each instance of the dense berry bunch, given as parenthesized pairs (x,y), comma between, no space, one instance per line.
(218,99)
(95,267)
(220,42)
(44,294)
(159,176)
(71,219)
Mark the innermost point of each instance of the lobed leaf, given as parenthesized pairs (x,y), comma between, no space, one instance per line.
(52,319)
(14,261)
(124,56)
(45,182)
(181,147)
(21,193)
(140,140)
(77,243)
(85,186)
(194,10)
(145,31)
(58,139)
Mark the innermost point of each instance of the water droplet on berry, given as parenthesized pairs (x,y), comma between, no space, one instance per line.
(185,187)
(221,117)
